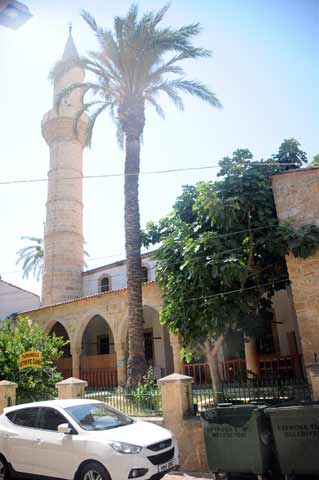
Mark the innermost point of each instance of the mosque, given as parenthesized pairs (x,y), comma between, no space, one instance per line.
(90,307)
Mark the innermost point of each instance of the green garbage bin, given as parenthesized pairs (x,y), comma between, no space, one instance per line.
(237,439)
(296,437)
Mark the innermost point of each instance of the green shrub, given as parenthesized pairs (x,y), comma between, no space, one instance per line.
(16,338)
(147,394)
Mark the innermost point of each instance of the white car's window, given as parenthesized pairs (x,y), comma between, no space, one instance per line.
(26,417)
(50,419)
(98,416)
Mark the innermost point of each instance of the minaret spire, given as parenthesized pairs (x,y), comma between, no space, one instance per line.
(70,50)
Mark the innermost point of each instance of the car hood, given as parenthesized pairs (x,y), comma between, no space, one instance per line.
(138,433)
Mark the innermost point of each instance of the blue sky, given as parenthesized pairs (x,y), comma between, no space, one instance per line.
(264,70)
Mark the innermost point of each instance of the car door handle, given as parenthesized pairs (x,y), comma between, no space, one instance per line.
(38,441)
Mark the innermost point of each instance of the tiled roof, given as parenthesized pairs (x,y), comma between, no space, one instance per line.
(19,288)
(115,264)
(79,299)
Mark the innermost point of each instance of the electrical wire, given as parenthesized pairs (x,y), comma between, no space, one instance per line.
(150,172)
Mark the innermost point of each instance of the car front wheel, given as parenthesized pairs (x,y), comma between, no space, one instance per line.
(91,471)
(4,473)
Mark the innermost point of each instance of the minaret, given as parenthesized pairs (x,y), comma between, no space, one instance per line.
(63,238)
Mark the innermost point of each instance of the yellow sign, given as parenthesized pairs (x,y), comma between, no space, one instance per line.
(30,360)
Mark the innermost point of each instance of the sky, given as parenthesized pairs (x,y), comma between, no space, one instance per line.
(264,70)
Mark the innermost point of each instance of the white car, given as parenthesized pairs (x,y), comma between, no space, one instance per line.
(82,440)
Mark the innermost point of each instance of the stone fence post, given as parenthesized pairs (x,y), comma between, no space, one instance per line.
(313,372)
(71,388)
(7,394)
(176,390)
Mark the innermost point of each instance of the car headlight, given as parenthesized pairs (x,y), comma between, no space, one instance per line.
(125,447)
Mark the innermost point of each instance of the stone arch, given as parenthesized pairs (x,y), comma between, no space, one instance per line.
(97,337)
(84,323)
(60,331)
(63,364)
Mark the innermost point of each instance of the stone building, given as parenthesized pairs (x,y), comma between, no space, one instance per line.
(90,308)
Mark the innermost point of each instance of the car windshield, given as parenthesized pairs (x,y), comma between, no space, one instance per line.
(97,416)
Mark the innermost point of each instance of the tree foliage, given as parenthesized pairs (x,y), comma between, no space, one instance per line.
(315,161)
(222,252)
(22,336)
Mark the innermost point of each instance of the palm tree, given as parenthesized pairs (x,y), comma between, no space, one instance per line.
(133,66)
(31,257)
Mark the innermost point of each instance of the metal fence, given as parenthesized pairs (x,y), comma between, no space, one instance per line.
(130,401)
(266,390)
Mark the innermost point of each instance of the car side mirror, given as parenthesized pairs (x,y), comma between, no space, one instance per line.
(64,428)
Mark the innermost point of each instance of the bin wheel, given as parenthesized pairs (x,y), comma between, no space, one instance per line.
(221,476)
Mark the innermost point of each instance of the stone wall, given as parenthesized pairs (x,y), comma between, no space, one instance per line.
(296,195)
(112,306)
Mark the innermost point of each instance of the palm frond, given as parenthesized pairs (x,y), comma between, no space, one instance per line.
(79,113)
(84,87)
(170,91)
(91,123)
(197,89)
(156,105)
(61,67)
(158,17)
(31,258)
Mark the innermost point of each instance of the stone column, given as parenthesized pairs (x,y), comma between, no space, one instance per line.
(75,363)
(313,372)
(252,357)
(7,394)
(177,405)
(176,347)
(176,390)
(71,388)
(296,196)
(120,350)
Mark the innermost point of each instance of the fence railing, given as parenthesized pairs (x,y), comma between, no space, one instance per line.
(287,366)
(129,401)
(99,377)
(266,390)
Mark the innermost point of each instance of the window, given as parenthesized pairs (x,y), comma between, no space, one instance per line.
(144,274)
(50,419)
(105,284)
(103,345)
(98,416)
(26,417)
(148,342)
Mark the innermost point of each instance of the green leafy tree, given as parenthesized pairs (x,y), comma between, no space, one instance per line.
(20,336)
(315,161)
(222,256)
(135,64)
(290,153)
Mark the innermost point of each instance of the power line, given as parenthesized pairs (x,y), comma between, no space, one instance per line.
(150,172)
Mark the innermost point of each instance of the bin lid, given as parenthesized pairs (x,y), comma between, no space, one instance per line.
(233,415)
(293,405)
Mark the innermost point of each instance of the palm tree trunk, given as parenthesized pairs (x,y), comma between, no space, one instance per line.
(136,365)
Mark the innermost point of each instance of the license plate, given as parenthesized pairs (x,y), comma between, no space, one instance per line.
(166,466)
